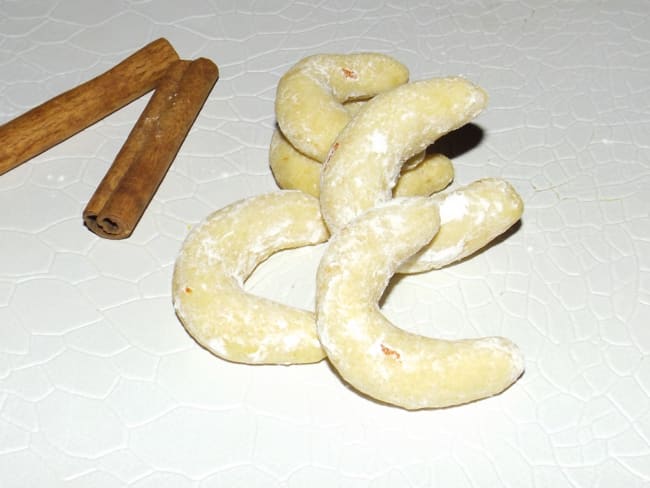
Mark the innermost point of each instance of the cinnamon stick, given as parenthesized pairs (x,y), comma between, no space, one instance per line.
(72,111)
(127,189)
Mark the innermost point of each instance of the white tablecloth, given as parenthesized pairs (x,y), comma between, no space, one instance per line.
(101,386)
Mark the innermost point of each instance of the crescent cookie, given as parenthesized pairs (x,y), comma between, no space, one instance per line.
(470,218)
(220,254)
(365,159)
(373,355)
(423,175)
(309,96)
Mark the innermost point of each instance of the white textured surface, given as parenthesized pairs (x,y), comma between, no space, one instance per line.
(101,386)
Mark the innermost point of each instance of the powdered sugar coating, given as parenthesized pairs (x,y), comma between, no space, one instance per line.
(470,218)
(366,158)
(453,207)
(216,259)
(372,354)
(310,96)
(422,174)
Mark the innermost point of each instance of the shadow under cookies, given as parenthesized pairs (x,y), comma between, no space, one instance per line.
(459,141)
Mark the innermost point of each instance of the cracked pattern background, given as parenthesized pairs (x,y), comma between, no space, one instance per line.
(101,386)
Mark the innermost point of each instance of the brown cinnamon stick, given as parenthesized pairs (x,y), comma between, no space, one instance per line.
(127,189)
(72,111)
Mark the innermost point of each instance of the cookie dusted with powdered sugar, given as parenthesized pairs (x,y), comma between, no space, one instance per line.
(422,175)
(220,254)
(310,95)
(376,357)
(366,158)
(471,217)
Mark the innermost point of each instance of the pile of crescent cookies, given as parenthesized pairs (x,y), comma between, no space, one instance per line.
(350,156)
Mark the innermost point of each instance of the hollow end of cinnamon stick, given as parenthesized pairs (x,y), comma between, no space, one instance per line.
(107,228)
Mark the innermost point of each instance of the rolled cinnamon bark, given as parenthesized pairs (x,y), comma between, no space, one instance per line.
(59,118)
(127,189)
